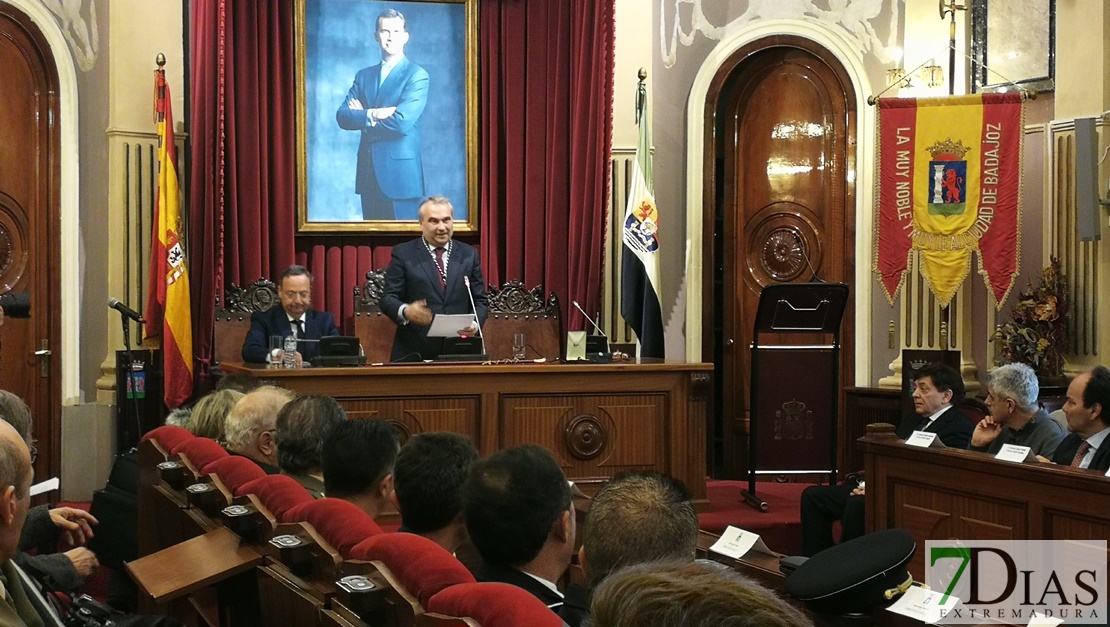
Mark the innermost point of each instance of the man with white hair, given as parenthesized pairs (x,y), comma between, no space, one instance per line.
(249,428)
(1016,417)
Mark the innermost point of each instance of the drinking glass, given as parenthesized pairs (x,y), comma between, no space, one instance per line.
(277,344)
(518,346)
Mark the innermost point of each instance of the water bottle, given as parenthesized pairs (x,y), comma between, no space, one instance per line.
(289,359)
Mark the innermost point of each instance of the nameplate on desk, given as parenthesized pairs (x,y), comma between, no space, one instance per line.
(923,605)
(1016,454)
(924,439)
(736,543)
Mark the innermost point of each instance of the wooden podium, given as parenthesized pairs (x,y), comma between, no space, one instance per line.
(597,419)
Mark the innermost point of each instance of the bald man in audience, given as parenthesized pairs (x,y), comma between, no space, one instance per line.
(659,510)
(300,431)
(358,460)
(520,518)
(251,424)
(1016,417)
(427,486)
(1087,410)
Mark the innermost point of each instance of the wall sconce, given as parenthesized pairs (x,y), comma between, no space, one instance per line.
(931,75)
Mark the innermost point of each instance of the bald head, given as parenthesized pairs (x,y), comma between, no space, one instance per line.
(15,485)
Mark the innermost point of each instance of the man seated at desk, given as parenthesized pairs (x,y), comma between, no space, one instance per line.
(1015,416)
(427,276)
(294,317)
(1088,422)
(938,389)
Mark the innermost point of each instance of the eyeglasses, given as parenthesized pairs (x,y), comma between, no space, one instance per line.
(34,453)
(300,295)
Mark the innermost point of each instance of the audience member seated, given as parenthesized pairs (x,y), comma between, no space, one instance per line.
(1016,417)
(427,486)
(1088,419)
(239,382)
(358,458)
(23,601)
(300,431)
(938,389)
(210,414)
(679,594)
(519,515)
(180,416)
(250,425)
(637,517)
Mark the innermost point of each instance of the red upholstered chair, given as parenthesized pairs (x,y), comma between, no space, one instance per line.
(200,452)
(277,493)
(169,437)
(339,522)
(234,471)
(493,605)
(421,566)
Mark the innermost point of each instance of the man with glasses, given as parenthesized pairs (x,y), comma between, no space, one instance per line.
(295,317)
(1016,417)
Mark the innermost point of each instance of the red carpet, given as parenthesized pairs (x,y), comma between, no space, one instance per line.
(780,526)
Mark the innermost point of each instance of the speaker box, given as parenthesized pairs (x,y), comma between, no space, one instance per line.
(1086,180)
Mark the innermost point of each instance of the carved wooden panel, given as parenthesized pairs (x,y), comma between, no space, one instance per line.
(420,415)
(591,436)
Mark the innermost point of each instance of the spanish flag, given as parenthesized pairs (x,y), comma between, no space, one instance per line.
(168,308)
(949,183)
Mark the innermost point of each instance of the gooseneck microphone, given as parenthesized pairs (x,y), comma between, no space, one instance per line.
(579,308)
(115,303)
(474,308)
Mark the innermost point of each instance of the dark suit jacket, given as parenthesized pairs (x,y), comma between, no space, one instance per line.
(389,150)
(572,611)
(412,275)
(274,321)
(1065,452)
(953,427)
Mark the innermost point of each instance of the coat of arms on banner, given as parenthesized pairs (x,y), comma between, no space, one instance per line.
(949,170)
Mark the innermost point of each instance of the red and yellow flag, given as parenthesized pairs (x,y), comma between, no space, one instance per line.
(168,308)
(949,183)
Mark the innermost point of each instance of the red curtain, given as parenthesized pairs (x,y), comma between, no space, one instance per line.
(545,92)
(546,131)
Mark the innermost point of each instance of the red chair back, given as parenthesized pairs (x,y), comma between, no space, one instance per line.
(234,471)
(169,437)
(340,522)
(277,493)
(201,451)
(494,605)
(423,567)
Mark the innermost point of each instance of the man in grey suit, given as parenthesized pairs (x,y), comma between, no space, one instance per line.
(385,104)
(428,276)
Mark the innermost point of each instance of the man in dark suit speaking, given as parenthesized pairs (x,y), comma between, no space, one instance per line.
(427,276)
(294,317)
(938,389)
(384,104)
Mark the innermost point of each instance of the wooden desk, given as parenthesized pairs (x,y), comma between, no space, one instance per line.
(957,494)
(597,419)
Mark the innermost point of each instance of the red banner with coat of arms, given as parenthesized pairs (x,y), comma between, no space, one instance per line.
(949,183)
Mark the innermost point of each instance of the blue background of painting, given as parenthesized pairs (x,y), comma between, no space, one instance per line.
(339,41)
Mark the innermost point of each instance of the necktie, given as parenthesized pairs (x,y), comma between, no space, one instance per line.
(300,328)
(439,266)
(1084,446)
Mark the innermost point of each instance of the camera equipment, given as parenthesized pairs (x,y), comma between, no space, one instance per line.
(16,304)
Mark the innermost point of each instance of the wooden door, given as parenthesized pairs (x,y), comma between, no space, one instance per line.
(783,203)
(29,227)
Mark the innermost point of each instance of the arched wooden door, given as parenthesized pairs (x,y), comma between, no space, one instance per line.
(781,197)
(30,226)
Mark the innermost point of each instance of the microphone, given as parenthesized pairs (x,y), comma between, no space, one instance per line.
(115,303)
(579,308)
(474,308)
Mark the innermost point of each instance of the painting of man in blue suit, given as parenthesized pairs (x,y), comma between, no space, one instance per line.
(385,104)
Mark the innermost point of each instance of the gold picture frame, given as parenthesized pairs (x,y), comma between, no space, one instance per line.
(337,51)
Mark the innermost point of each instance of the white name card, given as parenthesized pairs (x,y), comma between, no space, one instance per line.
(1044,621)
(736,543)
(923,605)
(1015,453)
(44,487)
(924,439)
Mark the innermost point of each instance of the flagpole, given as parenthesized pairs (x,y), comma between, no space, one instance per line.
(641,95)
